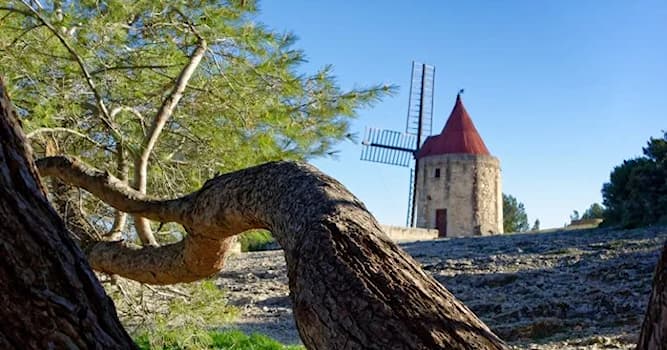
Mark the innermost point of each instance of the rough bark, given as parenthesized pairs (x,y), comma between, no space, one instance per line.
(653,335)
(49,297)
(351,287)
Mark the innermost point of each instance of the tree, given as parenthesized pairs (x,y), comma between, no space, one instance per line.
(536,225)
(575,215)
(50,297)
(636,194)
(165,94)
(515,218)
(595,211)
(350,285)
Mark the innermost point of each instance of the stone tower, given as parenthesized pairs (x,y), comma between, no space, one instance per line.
(458,188)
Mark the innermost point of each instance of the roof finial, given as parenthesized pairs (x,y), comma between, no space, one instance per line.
(461,92)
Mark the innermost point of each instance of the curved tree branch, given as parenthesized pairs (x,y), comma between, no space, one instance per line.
(346,277)
(110,189)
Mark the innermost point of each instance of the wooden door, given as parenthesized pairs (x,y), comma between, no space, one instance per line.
(441,222)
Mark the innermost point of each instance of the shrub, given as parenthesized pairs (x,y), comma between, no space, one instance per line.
(515,218)
(230,339)
(172,317)
(255,240)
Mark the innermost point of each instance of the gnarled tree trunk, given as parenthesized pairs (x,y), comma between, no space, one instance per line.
(49,297)
(351,287)
(653,335)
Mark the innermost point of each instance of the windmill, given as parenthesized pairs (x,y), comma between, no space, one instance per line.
(399,148)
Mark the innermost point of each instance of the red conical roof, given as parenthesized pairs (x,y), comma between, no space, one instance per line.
(458,136)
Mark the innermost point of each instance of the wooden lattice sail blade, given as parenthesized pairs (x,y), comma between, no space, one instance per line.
(388,147)
(420,106)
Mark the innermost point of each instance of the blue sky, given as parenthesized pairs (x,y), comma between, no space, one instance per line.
(560,91)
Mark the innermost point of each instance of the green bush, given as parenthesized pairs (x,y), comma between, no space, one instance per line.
(175,319)
(230,339)
(636,194)
(515,218)
(255,240)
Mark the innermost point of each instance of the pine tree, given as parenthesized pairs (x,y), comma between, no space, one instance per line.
(536,225)
(515,218)
(166,94)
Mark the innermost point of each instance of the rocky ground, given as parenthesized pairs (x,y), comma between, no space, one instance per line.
(583,289)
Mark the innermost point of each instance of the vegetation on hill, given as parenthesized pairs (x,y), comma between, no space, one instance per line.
(636,194)
(595,211)
(515,218)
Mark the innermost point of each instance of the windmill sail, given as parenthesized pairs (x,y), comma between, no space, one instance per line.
(399,148)
(420,105)
(388,147)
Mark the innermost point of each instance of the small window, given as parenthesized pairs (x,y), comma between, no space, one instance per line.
(437,172)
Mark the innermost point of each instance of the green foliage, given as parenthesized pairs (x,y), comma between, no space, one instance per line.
(255,240)
(515,218)
(160,318)
(636,194)
(230,339)
(247,102)
(595,211)
(575,215)
(536,225)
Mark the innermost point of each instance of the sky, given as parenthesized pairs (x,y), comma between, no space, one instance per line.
(560,91)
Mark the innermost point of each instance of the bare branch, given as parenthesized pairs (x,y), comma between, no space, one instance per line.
(134,111)
(170,102)
(193,258)
(111,190)
(163,114)
(12,9)
(36,132)
(120,218)
(148,66)
(23,34)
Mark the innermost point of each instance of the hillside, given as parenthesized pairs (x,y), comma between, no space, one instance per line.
(581,289)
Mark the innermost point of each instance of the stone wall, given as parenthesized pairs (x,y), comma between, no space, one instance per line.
(467,186)
(405,234)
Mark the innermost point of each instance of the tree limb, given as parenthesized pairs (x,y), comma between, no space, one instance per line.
(163,114)
(169,103)
(133,111)
(36,132)
(110,189)
(141,66)
(120,218)
(192,259)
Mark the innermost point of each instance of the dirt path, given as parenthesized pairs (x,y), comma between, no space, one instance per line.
(563,290)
